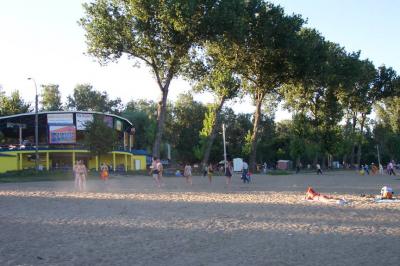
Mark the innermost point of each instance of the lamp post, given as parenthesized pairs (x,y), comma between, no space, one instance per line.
(36,125)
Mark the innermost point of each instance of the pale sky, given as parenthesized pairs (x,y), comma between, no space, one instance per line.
(42,39)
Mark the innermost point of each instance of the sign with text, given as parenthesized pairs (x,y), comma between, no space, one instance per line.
(82,120)
(65,118)
(62,134)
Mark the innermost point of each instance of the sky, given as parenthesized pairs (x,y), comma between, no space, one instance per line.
(42,39)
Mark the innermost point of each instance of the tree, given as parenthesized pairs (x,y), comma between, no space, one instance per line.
(13,104)
(99,137)
(213,72)
(264,56)
(315,91)
(182,130)
(157,33)
(85,98)
(141,114)
(51,98)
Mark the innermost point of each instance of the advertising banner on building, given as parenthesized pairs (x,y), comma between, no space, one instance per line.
(62,134)
(108,120)
(65,119)
(82,120)
(118,125)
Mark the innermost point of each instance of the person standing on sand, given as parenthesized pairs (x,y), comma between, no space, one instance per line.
(188,174)
(80,173)
(228,174)
(205,170)
(154,171)
(366,169)
(210,171)
(160,169)
(374,169)
(104,172)
(319,171)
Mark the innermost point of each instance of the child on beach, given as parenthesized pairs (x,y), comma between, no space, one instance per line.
(104,172)
(188,174)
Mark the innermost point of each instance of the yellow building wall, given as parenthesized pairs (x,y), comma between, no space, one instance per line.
(13,163)
(8,164)
(142,160)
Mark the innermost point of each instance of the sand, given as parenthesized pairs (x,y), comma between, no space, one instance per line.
(132,222)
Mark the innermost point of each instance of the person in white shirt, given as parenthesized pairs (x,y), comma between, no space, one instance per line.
(319,171)
(245,171)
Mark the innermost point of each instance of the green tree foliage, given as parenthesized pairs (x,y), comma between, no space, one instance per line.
(264,56)
(157,33)
(184,127)
(85,98)
(13,104)
(51,98)
(99,137)
(315,92)
(213,72)
(142,115)
(237,128)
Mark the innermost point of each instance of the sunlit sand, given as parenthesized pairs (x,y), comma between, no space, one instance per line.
(132,222)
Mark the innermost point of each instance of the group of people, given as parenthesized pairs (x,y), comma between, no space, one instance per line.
(228,172)
(364,169)
(81,172)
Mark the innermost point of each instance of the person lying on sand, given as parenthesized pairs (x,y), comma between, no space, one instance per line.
(313,195)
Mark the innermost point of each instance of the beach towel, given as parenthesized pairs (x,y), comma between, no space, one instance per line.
(329,201)
(382,200)
(387,200)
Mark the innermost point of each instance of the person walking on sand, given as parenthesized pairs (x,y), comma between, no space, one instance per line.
(210,171)
(245,173)
(391,168)
(319,171)
(188,173)
(228,174)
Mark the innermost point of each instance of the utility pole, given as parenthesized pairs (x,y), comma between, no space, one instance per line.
(223,136)
(36,127)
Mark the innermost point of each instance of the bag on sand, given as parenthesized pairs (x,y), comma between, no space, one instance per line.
(387,192)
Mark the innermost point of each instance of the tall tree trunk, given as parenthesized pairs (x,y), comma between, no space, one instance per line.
(213,132)
(161,113)
(353,150)
(363,117)
(254,136)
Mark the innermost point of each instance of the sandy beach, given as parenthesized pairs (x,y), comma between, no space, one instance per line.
(132,222)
